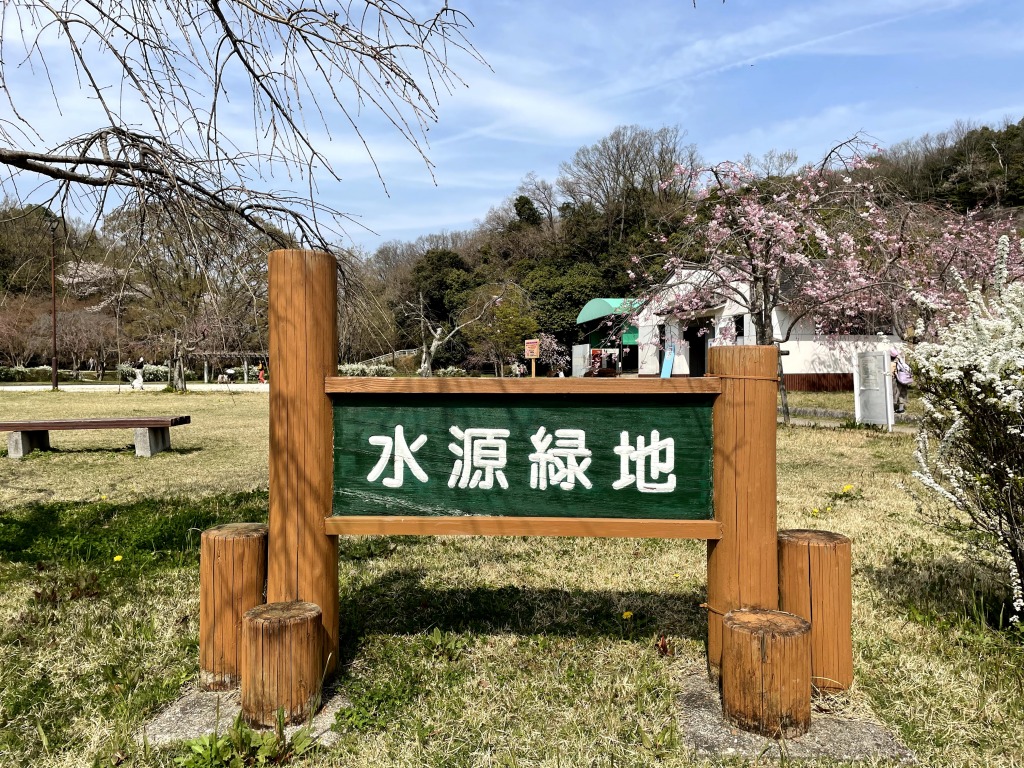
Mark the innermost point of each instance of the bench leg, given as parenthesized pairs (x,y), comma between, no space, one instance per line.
(152,440)
(20,444)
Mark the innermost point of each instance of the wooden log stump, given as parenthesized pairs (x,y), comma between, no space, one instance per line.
(814,583)
(232,579)
(766,672)
(282,661)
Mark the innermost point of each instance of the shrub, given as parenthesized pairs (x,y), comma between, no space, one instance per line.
(451,370)
(971,443)
(359,369)
(149,372)
(39,373)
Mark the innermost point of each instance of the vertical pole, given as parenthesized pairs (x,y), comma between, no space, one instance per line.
(302,559)
(743,568)
(53,298)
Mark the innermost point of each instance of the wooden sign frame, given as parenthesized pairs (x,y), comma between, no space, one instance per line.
(479,525)
(303,550)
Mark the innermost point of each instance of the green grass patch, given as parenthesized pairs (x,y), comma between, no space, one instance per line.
(466,651)
(98,619)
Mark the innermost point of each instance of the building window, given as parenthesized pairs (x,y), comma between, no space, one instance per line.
(739,321)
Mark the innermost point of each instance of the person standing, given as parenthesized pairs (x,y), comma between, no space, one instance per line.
(139,368)
(901,378)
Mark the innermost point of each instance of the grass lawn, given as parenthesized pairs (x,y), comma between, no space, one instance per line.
(462,651)
(843,401)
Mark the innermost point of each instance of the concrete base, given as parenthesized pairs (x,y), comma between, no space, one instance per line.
(152,440)
(198,713)
(835,736)
(19,444)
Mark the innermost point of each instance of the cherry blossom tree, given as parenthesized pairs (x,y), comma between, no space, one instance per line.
(840,249)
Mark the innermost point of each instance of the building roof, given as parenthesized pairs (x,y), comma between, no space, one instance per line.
(595,309)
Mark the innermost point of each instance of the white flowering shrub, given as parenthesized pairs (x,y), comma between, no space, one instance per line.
(352,369)
(360,369)
(149,372)
(451,371)
(970,447)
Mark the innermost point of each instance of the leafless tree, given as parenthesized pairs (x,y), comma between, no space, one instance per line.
(167,83)
(627,166)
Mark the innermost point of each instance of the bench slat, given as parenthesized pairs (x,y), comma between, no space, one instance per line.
(127,422)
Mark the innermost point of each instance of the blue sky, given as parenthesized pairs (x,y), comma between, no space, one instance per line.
(743,76)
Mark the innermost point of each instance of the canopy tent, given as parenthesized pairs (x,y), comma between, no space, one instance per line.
(596,309)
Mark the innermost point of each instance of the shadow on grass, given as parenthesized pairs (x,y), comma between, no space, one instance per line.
(162,529)
(399,603)
(127,448)
(936,588)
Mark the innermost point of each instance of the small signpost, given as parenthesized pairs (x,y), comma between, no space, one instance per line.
(668,362)
(532,353)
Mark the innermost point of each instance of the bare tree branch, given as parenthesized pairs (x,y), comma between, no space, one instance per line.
(166,85)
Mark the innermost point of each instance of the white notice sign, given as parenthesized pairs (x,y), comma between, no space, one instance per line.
(872,389)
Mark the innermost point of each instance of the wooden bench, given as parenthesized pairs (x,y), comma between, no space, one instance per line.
(152,433)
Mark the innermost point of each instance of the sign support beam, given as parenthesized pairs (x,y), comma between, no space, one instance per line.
(302,558)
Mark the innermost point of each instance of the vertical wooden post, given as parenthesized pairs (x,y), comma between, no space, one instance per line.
(281,662)
(766,672)
(814,583)
(232,577)
(743,569)
(302,559)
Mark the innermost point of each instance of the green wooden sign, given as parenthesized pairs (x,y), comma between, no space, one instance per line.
(621,456)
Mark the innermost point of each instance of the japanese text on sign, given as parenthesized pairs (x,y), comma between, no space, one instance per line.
(560,460)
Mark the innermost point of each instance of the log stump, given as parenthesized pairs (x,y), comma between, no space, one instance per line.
(282,662)
(814,583)
(232,579)
(766,672)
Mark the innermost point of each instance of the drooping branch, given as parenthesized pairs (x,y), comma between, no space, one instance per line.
(206,100)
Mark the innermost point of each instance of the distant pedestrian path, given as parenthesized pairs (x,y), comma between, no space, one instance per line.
(151,386)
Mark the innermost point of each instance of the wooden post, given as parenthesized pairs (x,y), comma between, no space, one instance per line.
(232,578)
(743,564)
(766,672)
(303,559)
(814,583)
(281,662)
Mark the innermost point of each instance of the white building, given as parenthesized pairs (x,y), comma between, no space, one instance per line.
(810,361)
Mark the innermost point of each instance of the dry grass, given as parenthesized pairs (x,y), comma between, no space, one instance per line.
(489,652)
(843,401)
(223,450)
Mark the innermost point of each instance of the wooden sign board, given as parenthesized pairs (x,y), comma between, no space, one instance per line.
(525,450)
(532,349)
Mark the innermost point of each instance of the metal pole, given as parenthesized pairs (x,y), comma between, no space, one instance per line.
(53,297)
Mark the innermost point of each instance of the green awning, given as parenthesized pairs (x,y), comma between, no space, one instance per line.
(598,308)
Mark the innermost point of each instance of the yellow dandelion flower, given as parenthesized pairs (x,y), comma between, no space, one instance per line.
(627,615)
(118,558)
(675,575)
(847,488)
